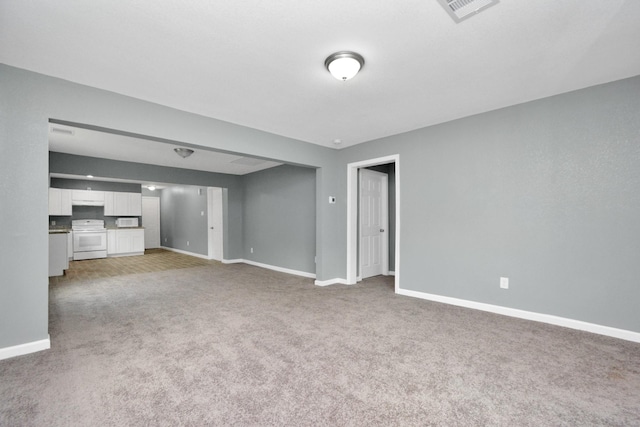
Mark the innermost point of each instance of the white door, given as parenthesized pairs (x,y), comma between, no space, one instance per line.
(214,203)
(151,222)
(374,243)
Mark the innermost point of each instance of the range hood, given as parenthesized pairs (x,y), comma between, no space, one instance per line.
(87,202)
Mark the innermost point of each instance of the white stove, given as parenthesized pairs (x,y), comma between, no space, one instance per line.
(89,239)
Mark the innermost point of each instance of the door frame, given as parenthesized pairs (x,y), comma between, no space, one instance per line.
(352,215)
(384,220)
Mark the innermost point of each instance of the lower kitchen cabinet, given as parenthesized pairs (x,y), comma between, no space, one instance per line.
(58,259)
(125,242)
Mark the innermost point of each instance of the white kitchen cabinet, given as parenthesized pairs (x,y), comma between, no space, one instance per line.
(59,202)
(122,204)
(125,242)
(135,205)
(112,246)
(58,258)
(109,204)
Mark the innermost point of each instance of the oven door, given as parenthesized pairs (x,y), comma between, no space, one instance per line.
(87,241)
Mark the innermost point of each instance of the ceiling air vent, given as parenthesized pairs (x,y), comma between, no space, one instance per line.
(463,9)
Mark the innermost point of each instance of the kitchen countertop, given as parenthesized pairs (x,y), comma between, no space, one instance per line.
(59,230)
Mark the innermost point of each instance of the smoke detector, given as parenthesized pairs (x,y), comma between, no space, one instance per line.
(463,9)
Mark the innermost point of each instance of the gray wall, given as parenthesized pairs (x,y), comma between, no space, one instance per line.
(280,217)
(85,184)
(546,193)
(181,220)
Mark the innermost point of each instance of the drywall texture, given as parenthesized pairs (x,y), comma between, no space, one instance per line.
(183,219)
(546,193)
(280,217)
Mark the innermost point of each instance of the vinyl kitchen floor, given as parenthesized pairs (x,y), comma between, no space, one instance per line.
(152,260)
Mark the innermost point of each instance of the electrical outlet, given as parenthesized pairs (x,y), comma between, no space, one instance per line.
(504,282)
(165,240)
(251,250)
(187,243)
(53,223)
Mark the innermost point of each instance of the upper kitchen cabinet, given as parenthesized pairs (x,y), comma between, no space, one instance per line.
(59,202)
(122,204)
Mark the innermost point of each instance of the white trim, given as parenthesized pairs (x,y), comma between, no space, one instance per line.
(336,281)
(27,348)
(352,215)
(528,315)
(269,267)
(392,273)
(232,261)
(280,269)
(126,254)
(180,251)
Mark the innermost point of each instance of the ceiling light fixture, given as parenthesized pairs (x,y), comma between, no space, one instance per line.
(151,188)
(183,152)
(344,65)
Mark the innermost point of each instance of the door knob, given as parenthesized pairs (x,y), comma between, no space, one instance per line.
(212,228)
(382,230)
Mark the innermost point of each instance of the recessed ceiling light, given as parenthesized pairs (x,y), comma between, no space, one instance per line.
(337,141)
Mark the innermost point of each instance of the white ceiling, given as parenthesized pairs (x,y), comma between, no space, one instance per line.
(93,143)
(261,63)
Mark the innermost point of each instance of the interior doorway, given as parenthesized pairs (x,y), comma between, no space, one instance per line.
(214,223)
(353,215)
(373,213)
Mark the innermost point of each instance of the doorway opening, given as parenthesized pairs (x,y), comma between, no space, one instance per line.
(353,213)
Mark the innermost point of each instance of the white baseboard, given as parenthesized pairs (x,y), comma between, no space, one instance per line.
(22,349)
(336,281)
(180,251)
(270,267)
(280,269)
(528,315)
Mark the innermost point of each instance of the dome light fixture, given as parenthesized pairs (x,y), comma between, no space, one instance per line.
(183,152)
(344,65)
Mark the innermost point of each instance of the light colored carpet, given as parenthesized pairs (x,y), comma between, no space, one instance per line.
(238,345)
